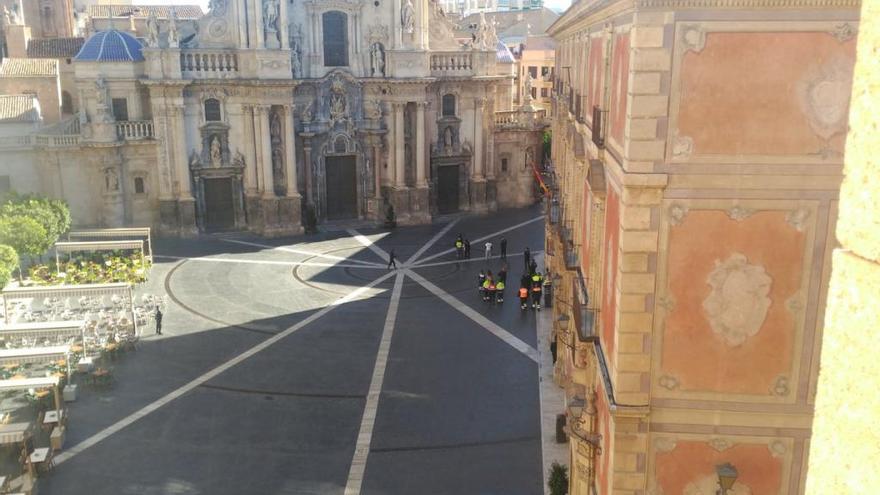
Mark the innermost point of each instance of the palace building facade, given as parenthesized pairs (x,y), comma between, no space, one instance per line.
(262,112)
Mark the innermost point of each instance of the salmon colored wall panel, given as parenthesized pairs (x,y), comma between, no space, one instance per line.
(729,329)
(619,86)
(766,93)
(609,274)
(689,468)
(595,74)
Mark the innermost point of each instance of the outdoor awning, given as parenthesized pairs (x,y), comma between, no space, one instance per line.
(34,354)
(71,328)
(29,383)
(14,433)
(70,247)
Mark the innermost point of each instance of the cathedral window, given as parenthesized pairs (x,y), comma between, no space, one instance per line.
(449,105)
(120,109)
(335,39)
(212,110)
(139,185)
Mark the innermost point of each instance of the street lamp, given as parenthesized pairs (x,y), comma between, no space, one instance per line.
(727,475)
(563,323)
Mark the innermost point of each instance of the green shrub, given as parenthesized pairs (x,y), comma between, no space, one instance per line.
(558,481)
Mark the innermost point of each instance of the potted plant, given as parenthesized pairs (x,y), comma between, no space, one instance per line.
(310,220)
(558,480)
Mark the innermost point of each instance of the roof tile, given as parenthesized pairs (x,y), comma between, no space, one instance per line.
(29,67)
(19,108)
(141,11)
(54,47)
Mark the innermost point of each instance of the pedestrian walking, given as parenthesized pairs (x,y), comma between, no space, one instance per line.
(392,260)
(533,267)
(158,321)
(459,247)
(523,297)
(467,249)
(480,280)
(504,248)
(502,274)
(527,258)
(488,249)
(499,291)
(536,296)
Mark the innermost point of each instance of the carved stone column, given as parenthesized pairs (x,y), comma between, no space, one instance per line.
(251,182)
(399,155)
(398,29)
(266,152)
(290,150)
(420,145)
(307,159)
(258,19)
(282,26)
(479,104)
(186,203)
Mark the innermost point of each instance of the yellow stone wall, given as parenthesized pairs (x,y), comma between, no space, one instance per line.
(845,448)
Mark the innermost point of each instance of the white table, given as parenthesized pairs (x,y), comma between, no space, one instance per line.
(53,417)
(39,455)
(85,364)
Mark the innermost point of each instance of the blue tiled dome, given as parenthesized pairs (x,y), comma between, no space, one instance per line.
(110,46)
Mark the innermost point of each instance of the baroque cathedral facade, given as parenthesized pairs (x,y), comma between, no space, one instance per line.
(264,112)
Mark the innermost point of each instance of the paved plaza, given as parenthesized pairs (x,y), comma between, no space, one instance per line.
(305,366)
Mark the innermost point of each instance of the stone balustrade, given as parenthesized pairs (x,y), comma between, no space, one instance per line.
(56,140)
(134,130)
(452,64)
(521,119)
(209,63)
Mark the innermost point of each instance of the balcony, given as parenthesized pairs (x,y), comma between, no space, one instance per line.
(209,64)
(134,130)
(57,141)
(521,119)
(584,316)
(452,64)
(599,118)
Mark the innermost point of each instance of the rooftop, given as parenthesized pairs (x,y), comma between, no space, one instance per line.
(18,109)
(143,11)
(54,47)
(29,67)
(111,46)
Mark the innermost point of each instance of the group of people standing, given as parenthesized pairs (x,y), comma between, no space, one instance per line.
(491,286)
(463,248)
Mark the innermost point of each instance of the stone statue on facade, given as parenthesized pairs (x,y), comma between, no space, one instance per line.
(270,22)
(102,101)
(217,8)
(308,112)
(377,60)
(407,17)
(111,179)
(372,109)
(216,154)
(5,19)
(152,30)
(481,36)
(173,38)
(337,107)
(527,90)
(194,161)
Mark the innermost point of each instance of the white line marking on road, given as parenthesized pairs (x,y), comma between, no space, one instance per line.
(488,236)
(430,243)
(269,262)
(365,435)
(479,319)
(366,242)
(179,392)
(299,251)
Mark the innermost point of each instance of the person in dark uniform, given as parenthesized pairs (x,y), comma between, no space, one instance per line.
(391,260)
(503,248)
(158,321)
(527,258)
(467,249)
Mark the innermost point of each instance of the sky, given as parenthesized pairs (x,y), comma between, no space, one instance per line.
(559,5)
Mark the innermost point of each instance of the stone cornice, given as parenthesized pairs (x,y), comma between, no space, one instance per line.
(747,4)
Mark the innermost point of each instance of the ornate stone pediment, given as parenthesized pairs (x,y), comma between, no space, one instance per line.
(344,5)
